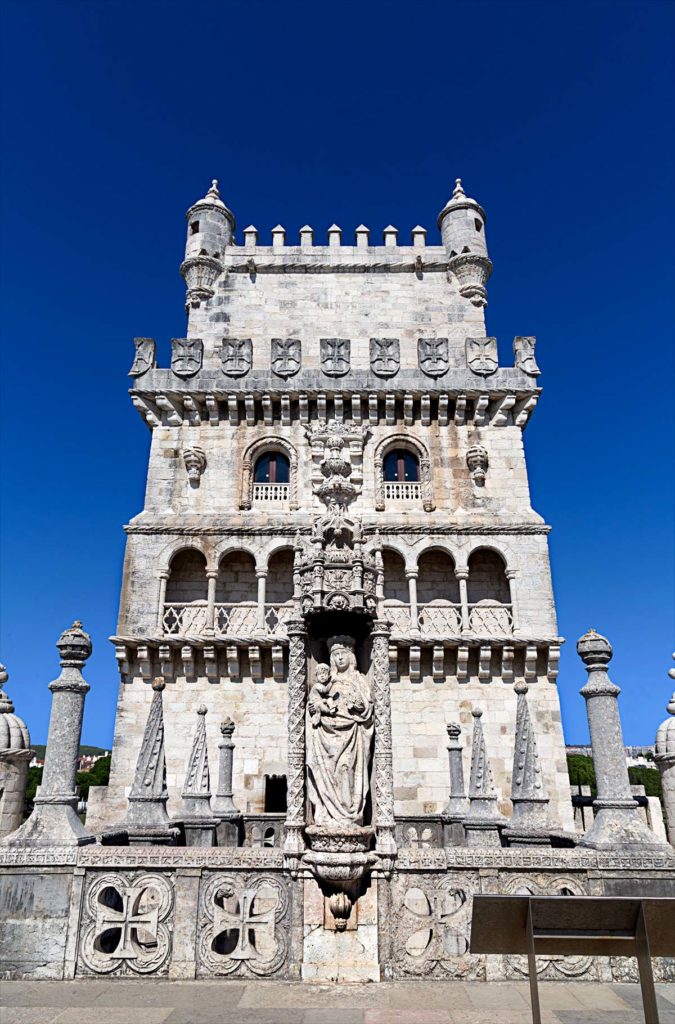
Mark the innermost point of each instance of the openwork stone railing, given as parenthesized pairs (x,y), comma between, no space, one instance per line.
(491,620)
(230,618)
(236,618)
(181,619)
(402,491)
(445,620)
(272,494)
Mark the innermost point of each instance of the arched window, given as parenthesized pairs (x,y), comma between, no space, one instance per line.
(236,593)
(402,473)
(272,468)
(489,594)
(186,593)
(401,466)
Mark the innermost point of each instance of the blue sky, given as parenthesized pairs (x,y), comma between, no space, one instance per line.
(558,116)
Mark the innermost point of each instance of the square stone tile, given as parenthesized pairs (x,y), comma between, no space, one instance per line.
(116,1015)
(29,1014)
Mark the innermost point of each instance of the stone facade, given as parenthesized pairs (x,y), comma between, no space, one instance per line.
(388,343)
(338,594)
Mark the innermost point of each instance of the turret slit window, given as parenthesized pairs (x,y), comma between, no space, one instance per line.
(401,471)
(271,478)
(194,227)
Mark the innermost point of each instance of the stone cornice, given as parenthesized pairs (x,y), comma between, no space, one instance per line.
(289,529)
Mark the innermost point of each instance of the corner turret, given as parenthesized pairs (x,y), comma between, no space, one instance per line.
(462,226)
(210,230)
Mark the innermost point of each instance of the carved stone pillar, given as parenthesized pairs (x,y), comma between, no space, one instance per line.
(411,576)
(212,580)
(462,576)
(54,821)
(454,813)
(294,845)
(163,579)
(511,577)
(383,796)
(618,823)
(261,576)
(223,806)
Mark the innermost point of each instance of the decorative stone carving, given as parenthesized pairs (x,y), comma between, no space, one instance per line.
(200,274)
(523,351)
(243,926)
(195,464)
(664,756)
(15,755)
(618,823)
(426,476)
(187,355)
(54,821)
(431,920)
(294,843)
(472,272)
(236,356)
(481,356)
(433,356)
(335,356)
(126,927)
(286,356)
(478,461)
(339,738)
(385,356)
(483,822)
(144,359)
(383,773)
(147,819)
(549,967)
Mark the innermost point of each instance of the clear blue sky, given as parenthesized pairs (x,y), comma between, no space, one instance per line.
(558,116)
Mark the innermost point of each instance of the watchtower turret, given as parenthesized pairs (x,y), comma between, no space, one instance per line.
(462,226)
(210,231)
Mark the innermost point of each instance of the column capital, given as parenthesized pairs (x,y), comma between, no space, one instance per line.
(212,574)
(462,572)
(411,574)
(261,574)
(381,628)
(510,573)
(296,627)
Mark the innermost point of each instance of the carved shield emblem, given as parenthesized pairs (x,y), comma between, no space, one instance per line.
(523,350)
(186,356)
(335,356)
(481,355)
(432,354)
(286,356)
(144,359)
(385,356)
(236,356)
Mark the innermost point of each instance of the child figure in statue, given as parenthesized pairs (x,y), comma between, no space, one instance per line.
(318,705)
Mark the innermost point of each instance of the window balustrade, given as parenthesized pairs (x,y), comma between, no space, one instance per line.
(402,490)
(491,619)
(270,494)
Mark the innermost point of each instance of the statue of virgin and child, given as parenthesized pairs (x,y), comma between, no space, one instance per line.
(339,738)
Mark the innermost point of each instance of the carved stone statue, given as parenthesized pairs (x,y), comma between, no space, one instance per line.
(339,738)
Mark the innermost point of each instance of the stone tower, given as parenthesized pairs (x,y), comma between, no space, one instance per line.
(336,400)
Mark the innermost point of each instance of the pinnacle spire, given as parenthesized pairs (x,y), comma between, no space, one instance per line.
(197,785)
(530,803)
(147,812)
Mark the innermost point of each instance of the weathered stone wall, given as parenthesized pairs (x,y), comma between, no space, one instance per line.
(55,903)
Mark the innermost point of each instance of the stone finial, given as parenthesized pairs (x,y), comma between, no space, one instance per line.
(458,191)
(334,235)
(158,684)
(197,787)
(390,235)
(530,803)
(306,237)
(362,236)
(481,783)
(74,646)
(594,649)
(453,730)
(213,192)
(13,732)
(227,728)
(278,237)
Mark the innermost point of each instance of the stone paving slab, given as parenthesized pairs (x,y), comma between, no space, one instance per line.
(151,1001)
